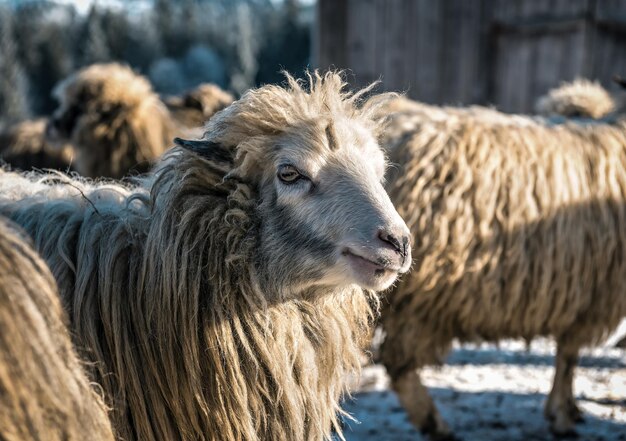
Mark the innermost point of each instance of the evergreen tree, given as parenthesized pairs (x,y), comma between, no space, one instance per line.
(45,39)
(95,46)
(247,48)
(13,82)
(287,45)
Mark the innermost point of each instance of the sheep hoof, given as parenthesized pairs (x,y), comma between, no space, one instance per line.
(444,437)
(437,430)
(563,428)
(575,413)
(567,434)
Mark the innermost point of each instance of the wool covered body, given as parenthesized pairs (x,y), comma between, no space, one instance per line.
(24,146)
(44,392)
(115,121)
(192,109)
(579,98)
(178,287)
(119,125)
(519,229)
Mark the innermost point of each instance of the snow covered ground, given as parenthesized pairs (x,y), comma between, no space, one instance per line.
(494,393)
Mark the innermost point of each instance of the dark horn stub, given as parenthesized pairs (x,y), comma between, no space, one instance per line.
(207,149)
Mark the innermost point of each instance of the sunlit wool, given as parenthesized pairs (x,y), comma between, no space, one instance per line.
(195,107)
(113,118)
(190,335)
(579,98)
(519,230)
(24,146)
(44,392)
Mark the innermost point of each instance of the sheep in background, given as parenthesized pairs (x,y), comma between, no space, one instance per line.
(114,120)
(519,229)
(195,107)
(227,297)
(44,393)
(579,98)
(24,146)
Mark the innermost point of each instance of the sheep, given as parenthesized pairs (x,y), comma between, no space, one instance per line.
(44,392)
(24,146)
(227,294)
(195,107)
(114,120)
(519,228)
(579,98)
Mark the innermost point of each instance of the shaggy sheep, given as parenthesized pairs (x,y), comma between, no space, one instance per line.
(44,393)
(519,230)
(24,146)
(113,119)
(580,98)
(227,296)
(197,106)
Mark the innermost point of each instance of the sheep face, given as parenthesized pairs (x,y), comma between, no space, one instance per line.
(113,119)
(93,96)
(322,194)
(325,218)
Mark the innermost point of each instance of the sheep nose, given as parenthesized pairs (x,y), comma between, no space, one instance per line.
(399,241)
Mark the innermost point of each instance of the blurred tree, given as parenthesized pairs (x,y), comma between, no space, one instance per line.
(13,81)
(95,48)
(287,45)
(202,65)
(45,39)
(177,22)
(167,76)
(247,45)
(115,28)
(178,43)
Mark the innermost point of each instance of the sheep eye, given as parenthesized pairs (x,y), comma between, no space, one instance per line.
(288,174)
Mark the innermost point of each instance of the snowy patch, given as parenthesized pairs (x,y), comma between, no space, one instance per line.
(487,392)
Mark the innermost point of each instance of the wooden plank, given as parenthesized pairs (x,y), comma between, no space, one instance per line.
(410,61)
(361,41)
(380,13)
(485,86)
(572,64)
(396,46)
(428,49)
(610,10)
(451,52)
(547,69)
(330,34)
(610,50)
(470,51)
(512,80)
(522,11)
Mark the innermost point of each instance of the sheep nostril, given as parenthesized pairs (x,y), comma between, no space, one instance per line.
(392,240)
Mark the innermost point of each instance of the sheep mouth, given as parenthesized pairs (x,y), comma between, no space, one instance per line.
(379,266)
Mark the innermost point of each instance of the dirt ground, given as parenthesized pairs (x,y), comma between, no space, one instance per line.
(487,392)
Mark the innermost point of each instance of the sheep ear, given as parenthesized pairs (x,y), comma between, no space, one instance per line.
(193,102)
(207,149)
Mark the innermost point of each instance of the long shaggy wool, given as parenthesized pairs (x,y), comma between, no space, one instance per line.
(44,392)
(115,120)
(579,98)
(519,230)
(161,282)
(195,107)
(24,146)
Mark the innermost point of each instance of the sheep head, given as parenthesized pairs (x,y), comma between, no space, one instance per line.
(313,158)
(112,117)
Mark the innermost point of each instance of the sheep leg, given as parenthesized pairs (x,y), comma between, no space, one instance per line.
(561,408)
(418,403)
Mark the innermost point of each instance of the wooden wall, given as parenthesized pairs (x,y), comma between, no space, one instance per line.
(500,52)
